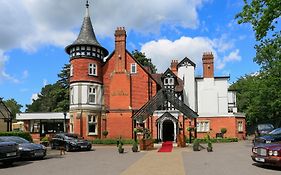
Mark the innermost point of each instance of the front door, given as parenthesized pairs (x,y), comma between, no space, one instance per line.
(168,130)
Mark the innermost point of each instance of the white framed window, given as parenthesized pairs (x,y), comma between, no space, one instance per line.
(92,124)
(240,127)
(133,68)
(71,70)
(169,81)
(92,94)
(203,126)
(92,69)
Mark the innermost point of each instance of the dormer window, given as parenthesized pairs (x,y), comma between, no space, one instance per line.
(169,81)
(92,69)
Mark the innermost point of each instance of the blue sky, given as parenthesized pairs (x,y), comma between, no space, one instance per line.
(33,35)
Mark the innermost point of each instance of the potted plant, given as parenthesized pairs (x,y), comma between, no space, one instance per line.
(120,148)
(223,131)
(45,141)
(196,145)
(105,133)
(120,145)
(135,147)
(209,147)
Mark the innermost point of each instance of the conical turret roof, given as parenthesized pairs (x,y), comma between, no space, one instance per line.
(87,35)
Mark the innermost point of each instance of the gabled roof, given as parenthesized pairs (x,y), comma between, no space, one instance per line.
(4,111)
(158,100)
(185,61)
(179,82)
(143,68)
(167,115)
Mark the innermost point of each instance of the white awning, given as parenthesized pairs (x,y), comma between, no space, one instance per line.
(41,116)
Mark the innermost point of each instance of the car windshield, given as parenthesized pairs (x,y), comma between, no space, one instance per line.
(18,140)
(72,136)
(276,131)
(265,127)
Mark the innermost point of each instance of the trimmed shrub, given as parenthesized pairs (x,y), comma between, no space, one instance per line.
(218,140)
(25,135)
(112,141)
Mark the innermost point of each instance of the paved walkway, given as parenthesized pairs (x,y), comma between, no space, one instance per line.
(154,163)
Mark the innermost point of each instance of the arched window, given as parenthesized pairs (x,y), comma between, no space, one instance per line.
(92,69)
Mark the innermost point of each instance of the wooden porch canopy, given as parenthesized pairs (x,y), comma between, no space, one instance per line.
(158,100)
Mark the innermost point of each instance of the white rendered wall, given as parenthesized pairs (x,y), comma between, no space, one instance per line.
(80,96)
(212,96)
(186,73)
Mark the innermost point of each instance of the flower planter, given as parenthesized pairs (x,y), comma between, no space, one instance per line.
(181,140)
(146,144)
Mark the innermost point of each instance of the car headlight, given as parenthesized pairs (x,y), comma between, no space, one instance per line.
(24,149)
(275,153)
(270,152)
(255,150)
(43,147)
(268,141)
(72,143)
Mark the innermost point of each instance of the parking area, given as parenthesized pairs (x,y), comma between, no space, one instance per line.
(227,159)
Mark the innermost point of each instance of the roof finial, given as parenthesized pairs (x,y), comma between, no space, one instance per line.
(87,9)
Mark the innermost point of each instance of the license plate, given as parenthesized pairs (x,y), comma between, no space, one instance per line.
(83,146)
(11,154)
(259,159)
(39,154)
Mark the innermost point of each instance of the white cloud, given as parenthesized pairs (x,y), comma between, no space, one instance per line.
(163,51)
(52,22)
(231,57)
(25,74)
(45,82)
(3,74)
(33,97)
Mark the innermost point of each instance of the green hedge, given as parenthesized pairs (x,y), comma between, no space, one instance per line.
(25,135)
(218,140)
(112,141)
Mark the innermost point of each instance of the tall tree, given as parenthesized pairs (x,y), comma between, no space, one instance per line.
(143,60)
(264,16)
(263,92)
(13,106)
(53,97)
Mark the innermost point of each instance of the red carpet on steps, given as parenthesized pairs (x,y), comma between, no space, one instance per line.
(166,147)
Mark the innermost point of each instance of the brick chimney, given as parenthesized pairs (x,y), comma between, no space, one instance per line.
(208,65)
(174,65)
(120,49)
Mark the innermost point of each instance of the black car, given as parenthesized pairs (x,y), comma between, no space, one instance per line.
(263,129)
(27,149)
(272,137)
(70,142)
(9,152)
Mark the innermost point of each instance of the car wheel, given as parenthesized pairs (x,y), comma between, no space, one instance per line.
(67,148)
(8,163)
